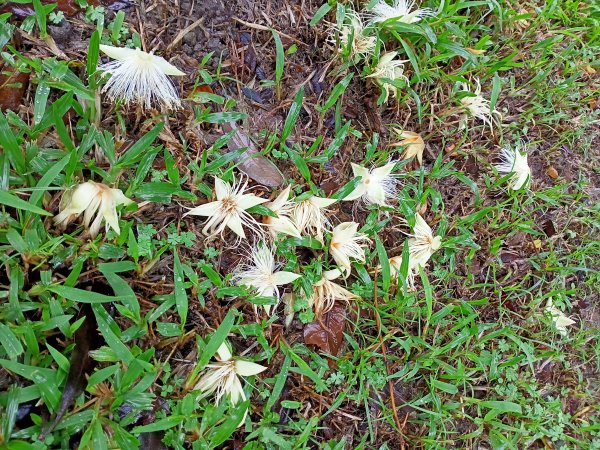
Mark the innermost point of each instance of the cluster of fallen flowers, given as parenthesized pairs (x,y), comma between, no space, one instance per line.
(140,77)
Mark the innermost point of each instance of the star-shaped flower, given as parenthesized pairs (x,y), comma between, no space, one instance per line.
(376,185)
(346,244)
(282,223)
(474,105)
(140,77)
(92,199)
(326,293)
(414,143)
(561,321)
(354,36)
(388,69)
(229,210)
(262,275)
(309,215)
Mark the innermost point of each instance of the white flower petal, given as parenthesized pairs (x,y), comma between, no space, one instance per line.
(207,209)
(234,222)
(248,201)
(248,368)
(223,352)
(280,278)
(119,53)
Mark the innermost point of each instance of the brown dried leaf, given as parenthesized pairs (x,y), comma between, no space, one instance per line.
(253,164)
(81,364)
(12,89)
(328,333)
(552,172)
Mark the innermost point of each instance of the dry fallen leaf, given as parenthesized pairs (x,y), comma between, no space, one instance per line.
(328,334)
(552,173)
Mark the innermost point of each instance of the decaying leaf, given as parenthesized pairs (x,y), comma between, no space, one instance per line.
(251,162)
(328,333)
(12,89)
(86,339)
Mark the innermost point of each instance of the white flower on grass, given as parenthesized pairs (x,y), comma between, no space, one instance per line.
(375,186)
(326,293)
(353,37)
(388,69)
(514,162)
(262,275)
(476,106)
(561,321)
(346,244)
(309,215)
(92,199)
(140,77)
(414,143)
(283,222)
(400,10)
(221,378)
(229,210)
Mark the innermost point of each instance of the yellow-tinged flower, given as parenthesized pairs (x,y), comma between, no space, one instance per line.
(476,106)
(262,275)
(414,143)
(92,199)
(221,378)
(229,210)
(326,293)
(282,223)
(375,186)
(400,10)
(353,36)
(309,215)
(561,321)
(514,161)
(140,77)
(388,69)
(346,244)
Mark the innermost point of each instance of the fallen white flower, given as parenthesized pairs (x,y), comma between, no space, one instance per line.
(92,199)
(476,106)
(514,161)
(262,275)
(229,210)
(309,215)
(414,143)
(422,244)
(346,244)
(400,11)
(326,293)
(375,186)
(353,37)
(561,321)
(388,69)
(221,378)
(140,77)
(282,223)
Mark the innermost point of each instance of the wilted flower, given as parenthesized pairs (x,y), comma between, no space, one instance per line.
(326,293)
(400,10)
(422,244)
(414,143)
(376,185)
(515,162)
(283,222)
(476,106)
(140,77)
(262,275)
(229,210)
(561,321)
(309,215)
(347,243)
(222,377)
(352,36)
(388,70)
(92,199)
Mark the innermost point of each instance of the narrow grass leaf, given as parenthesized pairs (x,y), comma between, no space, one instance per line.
(81,295)
(293,114)
(181,299)
(384,262)
(10,342)
(336,92)
(8,199)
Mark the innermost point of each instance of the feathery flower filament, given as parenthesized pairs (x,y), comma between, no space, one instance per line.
(399,11)
(376,185)
(346,244)
(514,161)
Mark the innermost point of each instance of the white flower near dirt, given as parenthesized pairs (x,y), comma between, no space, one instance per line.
(388,70)
(262,275)
(514,161)
(92,199)
(283,223)
(353,36)
(560,319)
(422,244)
(475,105)
(326,293)
(229,209)
(400,11)
(347,244)
(140,77)
(222,378)
(376,185)
(309,215)
(414,143)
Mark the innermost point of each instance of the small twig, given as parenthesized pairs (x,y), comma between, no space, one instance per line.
(387,369)
(264,28)
(183,32)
